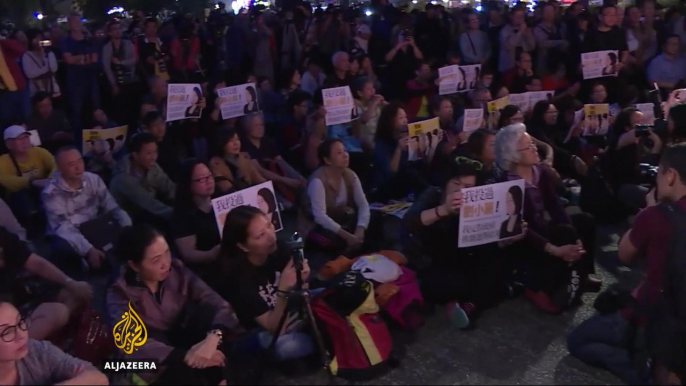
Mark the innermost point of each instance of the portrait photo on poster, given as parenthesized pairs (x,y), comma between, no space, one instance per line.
(514,200)
(251,100)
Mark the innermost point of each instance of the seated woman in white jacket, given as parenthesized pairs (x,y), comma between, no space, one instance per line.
(336,215)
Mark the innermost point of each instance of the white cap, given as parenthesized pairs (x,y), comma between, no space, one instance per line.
(14,131)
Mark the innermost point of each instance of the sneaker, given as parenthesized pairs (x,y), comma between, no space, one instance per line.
(542,301)
(457,316)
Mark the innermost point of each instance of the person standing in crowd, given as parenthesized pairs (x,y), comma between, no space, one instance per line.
(549,39)
(75,197)
(119,65)
(473,43)
(668,68)
(515,36)
(153,56)
(81,57)
(25,360)
(602,339)
(402,62)
(40,65)
(140,186)
(24,172)
(14,100)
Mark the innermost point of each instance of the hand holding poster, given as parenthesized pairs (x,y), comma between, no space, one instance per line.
(599,64)
(35,138)
(339,105)
(424,138)
(453,79)
(238,100)
(491,213)
(260,196)
(473,120)
(596,119)
(184,101)
(100,141)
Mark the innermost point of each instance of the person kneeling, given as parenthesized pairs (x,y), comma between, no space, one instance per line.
(259,275)
(25,361)
(189,326)
(467,280)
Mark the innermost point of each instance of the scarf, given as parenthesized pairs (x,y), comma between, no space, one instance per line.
(8,82)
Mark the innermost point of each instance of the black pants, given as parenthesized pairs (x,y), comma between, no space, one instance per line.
(480,279)
(560,280)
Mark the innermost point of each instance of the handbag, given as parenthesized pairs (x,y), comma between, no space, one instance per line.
(92,340)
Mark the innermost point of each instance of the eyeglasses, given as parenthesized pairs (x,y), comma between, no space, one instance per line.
(468,161)
(9,334)
(204,179)
(530,147)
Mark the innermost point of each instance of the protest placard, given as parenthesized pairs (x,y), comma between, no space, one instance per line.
(596,119)
(449,80)
(35,138)
(456,78)
(648,110)
(537,96)
(424,138)
(260,196)
(238,100)
(491,213)
(578,117)
(520,100)
(494,109)
(598,64)
(339,105)
(398,209)
(183,101)
(99,141)
(473,120)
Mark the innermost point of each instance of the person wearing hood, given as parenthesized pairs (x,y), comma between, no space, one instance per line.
(74,197)
(140,186)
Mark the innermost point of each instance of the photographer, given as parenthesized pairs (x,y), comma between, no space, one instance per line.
(629,145)
(257,276)
(602,339)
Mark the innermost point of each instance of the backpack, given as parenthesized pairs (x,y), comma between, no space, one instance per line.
(663,337)
(358,342)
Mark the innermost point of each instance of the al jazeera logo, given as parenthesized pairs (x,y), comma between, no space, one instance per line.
(130,334)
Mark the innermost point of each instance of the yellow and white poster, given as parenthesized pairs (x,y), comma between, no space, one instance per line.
(100,141)
(339,105)
(596,119)
(424,138)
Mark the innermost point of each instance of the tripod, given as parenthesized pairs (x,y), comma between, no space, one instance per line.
(302,298)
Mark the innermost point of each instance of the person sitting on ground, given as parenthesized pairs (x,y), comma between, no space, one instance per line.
(167,155)
(24,171)
(558,252)
(293,132)
(481,147)
(194,226)
(25,360)
(52,125)
(258,274)
(233,170)
(602,339)
(369,105)
(140,186)
(51,308)
(467,280)
(72,198)
(189,326)
(336,213)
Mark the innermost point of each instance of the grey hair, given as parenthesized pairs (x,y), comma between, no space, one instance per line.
(247,119)
(337,56)
(506,152)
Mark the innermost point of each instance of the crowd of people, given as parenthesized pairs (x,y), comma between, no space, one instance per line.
(139,208)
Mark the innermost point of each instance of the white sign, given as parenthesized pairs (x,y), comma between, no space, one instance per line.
(183,101)
(260,196)
(35,138)
(648,110)
(238,100)
(339,105)
(578,117)
(473,120)
(526,101)
(599,64)
(456,78)
(491,213)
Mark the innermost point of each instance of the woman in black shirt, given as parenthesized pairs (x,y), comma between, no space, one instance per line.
(193,223)
(258,275)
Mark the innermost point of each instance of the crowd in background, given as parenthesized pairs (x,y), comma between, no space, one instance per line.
(198,288)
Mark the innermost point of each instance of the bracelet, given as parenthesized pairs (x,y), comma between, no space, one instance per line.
(437,213)
(282,294)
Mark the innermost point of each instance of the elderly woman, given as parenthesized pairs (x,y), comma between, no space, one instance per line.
(556,256)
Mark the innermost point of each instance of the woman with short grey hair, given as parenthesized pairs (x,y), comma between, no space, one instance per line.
(554,254)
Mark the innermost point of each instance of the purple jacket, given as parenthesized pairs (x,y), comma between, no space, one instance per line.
(180,287)
(540,196)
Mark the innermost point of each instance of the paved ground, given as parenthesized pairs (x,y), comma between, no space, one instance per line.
(513,344)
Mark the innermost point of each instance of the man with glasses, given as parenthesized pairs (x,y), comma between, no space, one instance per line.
(74,197)
(24,360)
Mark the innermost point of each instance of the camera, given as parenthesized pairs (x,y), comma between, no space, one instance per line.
(648,174)
(296,245)
(407,34)
(642,131)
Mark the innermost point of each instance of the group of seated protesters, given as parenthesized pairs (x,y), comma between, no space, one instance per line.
(211,299)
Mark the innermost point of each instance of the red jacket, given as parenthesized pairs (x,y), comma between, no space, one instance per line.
(178,58)
(13,50)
